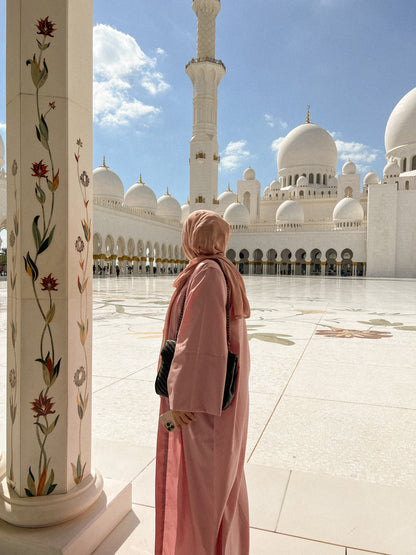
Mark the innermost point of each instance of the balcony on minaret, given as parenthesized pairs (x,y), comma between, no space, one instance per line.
(200,156)
(215,201)
(216,158)
(200,200)
(205,59)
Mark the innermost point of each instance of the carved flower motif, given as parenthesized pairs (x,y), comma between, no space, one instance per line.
(362,334)
(45,27)
(52,105)
(79,143)
(80,376)
(85,180)
(12,239)
(79,244)
(42,406)
(49,283)
(39,170)
(12,378)
(14,167)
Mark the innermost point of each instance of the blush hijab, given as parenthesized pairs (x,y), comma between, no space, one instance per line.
(205,236)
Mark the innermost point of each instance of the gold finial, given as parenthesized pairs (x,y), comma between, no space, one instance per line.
(140,179)
(167,191)
(228,187)
(104,166)
(236,199)
(290,196)
(307,114)
(188,201)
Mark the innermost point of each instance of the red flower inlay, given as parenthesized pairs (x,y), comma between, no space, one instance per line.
(52,105)
(39,170)
(42,406)
(45,27)
(49,283)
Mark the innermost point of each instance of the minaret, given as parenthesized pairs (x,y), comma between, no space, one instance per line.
(205,72)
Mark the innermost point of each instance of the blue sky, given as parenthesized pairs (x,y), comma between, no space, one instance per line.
(351,60)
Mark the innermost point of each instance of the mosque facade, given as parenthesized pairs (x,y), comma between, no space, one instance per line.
(307,221)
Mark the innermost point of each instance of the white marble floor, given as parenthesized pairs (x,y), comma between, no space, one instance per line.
(332,412)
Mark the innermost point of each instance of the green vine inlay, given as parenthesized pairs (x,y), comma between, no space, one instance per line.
(46,185)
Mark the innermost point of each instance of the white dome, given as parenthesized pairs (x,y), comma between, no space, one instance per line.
(237,214)
(401,126)
(307,145)
(348,210)
(267,191)
(226,198)
(371,178)
(332,181)
(249,174)
(185,209)
(141,196)
(291,212)
(349,168)
(302,181)
(391,169)
(275,185)
(107,184)
(168,207)
(1,152)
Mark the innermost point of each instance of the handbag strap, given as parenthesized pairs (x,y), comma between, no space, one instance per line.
(227,306)
(180,316)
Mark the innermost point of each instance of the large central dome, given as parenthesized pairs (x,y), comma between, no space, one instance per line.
(307,145)
(401,126)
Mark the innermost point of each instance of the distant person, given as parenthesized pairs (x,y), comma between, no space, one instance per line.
(201,495)
(117,270)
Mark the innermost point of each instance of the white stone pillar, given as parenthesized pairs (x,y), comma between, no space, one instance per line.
(49,147)
(279,265)
(354,269)
(308,267)
(339,262)
(323,265)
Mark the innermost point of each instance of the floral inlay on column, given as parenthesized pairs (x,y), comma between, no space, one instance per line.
(13,235)
(82,246)
(46,183)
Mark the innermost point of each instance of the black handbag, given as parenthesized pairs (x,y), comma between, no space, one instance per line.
(168,351)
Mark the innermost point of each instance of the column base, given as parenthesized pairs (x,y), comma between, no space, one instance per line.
(79,535)
(48,510)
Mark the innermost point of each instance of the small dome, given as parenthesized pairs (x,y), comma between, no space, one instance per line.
(107,184)
(349,168)
(391,169)
(226,198)
(249,174)
(267,191)
(290,212)
(275,185)
(333,181)
(141,196)
(1,152)
(185,209)
(168,207)
(371,178)
(302,181)
(348,210)
(237,215)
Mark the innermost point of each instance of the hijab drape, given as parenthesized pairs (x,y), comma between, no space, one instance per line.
(205,235)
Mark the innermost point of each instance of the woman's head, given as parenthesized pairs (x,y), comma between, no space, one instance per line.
(204,233)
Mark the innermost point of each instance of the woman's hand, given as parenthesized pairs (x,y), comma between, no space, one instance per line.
(183,418)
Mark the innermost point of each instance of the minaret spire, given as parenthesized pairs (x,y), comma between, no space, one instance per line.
(205,72)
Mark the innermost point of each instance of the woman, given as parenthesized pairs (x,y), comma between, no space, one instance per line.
(201,495)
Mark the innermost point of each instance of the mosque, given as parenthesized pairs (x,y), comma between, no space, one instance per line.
(308,221)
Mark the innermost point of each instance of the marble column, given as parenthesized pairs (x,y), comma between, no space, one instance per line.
(308,267)
(339,268)
(323,264)
(49,214)
(354,269)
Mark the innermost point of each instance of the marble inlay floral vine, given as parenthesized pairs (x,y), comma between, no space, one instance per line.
(82,246)
(40,481)
(12,376)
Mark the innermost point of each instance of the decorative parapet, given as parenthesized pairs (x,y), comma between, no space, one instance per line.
(200,200)
(200,155)
(216,158)
(205,59)
(215,201)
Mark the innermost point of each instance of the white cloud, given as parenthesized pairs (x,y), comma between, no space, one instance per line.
(234,154)
(2,128)
(362,155)
(120,69)
(276,144)
(272,121)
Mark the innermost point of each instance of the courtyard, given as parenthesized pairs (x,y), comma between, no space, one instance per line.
(330,452)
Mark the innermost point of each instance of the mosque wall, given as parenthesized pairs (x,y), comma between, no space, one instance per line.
(406,234)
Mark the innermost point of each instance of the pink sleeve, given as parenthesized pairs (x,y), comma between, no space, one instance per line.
(197,375)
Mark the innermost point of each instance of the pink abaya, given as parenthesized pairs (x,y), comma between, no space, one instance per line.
(201,496)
